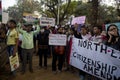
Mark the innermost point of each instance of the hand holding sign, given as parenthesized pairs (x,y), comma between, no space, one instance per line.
(14,62)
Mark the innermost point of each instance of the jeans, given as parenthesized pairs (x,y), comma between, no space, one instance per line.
(10,50)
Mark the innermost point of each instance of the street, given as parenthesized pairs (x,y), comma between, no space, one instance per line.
(42,74)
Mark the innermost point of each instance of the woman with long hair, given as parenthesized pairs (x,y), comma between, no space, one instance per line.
(113,37)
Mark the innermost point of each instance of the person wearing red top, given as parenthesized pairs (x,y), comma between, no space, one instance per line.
(58,54)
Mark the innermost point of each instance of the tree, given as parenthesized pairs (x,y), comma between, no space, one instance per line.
(28,6)
(104,13)
(83,9)
(94,15)
(118,8)
(56,7)
(14,13)
(111,14)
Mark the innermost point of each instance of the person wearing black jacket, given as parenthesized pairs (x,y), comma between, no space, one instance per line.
(42,38)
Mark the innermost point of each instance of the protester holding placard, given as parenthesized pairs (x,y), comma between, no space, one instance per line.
(84,33)
(97,60)
(78,35)
(12,39)
(113,37)
(76,32)
(97,39)
(85,36)
(58,54)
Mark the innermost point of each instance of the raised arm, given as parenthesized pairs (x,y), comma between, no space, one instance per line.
(21,30)
(37,30)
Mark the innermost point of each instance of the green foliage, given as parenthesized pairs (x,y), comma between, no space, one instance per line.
(104,13)
(52,7)
(67,8)
(22,6)
(72,7)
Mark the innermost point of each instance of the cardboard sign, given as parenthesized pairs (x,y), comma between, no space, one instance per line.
(57,39)
(44,21)
(5,17)
(14,62)
(79,20)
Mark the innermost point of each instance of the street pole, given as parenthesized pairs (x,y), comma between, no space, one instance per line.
(58,13)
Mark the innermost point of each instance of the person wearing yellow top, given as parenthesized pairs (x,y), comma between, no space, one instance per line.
(12,38)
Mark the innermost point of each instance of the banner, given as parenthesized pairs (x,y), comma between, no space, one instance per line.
(79,20)
(44,21)
(57,39)
(14,62)
(96,59)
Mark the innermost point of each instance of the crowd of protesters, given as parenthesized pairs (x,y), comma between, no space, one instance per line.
(24,39)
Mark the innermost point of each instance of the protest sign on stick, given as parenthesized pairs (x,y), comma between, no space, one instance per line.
(79,20)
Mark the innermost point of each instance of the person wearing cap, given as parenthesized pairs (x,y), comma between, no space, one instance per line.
(27,45)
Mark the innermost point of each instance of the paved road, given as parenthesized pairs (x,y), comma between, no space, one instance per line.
(42,74)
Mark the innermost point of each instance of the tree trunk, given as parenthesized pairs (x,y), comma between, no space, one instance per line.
(94,15)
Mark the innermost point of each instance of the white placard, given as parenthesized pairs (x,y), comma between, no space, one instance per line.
(5,17)
(44,21)
(79,20)
(14,62)
(57,39)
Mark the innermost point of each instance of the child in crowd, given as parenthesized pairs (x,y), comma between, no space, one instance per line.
(12,39)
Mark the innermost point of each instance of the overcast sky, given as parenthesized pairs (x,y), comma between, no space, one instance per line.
(8,3)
